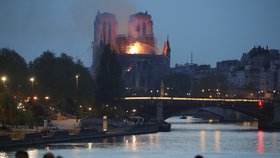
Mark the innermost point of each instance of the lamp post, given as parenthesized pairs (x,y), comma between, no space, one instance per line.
(77,84)
(4,80)
(77,90)
(32,79)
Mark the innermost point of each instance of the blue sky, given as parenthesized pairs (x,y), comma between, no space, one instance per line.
(213,30)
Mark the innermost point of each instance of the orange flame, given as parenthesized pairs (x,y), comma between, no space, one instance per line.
(135,48)
(141,48)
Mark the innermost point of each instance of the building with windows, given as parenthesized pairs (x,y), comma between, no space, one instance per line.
(142,62)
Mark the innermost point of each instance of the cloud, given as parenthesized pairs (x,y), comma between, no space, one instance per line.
(31,27)
(84,13)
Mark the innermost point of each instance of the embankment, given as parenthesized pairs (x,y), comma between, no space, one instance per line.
(32,139)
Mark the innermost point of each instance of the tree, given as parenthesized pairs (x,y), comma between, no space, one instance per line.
(14,67)
(178,84)
(109,83)
(210,85)
(109,77)
(8,109)
(56,79)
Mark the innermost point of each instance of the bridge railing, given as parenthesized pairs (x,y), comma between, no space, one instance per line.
(196,99)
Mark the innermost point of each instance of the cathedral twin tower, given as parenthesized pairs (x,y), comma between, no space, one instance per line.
(137,50)
(140,29)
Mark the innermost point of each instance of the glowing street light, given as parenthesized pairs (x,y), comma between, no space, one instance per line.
(77,82)
(4,80)
(32,79)
(77,90)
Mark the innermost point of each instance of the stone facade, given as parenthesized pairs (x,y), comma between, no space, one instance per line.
(142,62)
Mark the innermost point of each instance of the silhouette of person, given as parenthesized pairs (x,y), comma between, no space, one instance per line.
(198,156)
(21,154)
(48,155)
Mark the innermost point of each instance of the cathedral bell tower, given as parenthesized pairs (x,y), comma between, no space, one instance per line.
(105,32)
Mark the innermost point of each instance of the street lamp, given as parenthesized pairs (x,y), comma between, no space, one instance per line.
(77,82)
(32,79)
(4,79)
(77,88)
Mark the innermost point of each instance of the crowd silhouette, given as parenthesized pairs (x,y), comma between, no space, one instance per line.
(24,154)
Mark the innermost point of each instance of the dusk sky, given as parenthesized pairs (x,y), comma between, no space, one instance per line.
(213,30)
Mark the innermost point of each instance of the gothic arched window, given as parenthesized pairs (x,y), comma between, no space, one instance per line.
(144,28)
(110,31)
(104,29)
(138,28)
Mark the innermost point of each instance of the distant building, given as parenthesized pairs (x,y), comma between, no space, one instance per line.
(270,79)
(256,72)
(194,70)
(227,65)
(237,78)
(142,62)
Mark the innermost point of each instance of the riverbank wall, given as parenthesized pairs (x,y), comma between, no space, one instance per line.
(32,139)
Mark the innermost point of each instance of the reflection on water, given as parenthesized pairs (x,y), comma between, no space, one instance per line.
(131,143)
(202,141)
(217,138)
(260,142)
(90,145)
(185,140)
(33,153)
(274,140)
(134,143)
(3,155)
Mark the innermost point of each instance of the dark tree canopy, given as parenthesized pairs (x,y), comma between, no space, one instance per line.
(209,84)
(15,89)
(14,67)
(109,77)
(178,84)
(56,77)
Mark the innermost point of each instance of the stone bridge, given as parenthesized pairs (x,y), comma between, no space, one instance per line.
(162,108)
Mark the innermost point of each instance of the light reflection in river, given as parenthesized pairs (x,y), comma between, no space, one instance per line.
(134,143)
(33,153)
(217,138)
(153,141)
(202,141)
(274,140)
(3,155)
(131,143)
(260,148)
(90,145)
(185,140)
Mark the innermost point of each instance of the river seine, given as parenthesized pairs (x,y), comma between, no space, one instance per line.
(187,139)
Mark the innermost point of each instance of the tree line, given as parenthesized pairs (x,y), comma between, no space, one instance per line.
(54,84)
(59,82)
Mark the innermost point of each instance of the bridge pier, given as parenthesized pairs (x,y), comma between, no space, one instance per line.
(276,113)
(162,125)
(160,112)
(274,124)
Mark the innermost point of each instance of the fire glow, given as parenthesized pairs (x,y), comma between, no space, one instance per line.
(135,48)
(141,48)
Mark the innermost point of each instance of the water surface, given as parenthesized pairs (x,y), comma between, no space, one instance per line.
(186,139)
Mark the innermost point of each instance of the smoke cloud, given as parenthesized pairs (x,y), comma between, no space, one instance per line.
(82,12)
(31,27)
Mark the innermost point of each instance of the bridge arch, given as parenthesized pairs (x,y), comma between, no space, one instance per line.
(147,106)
